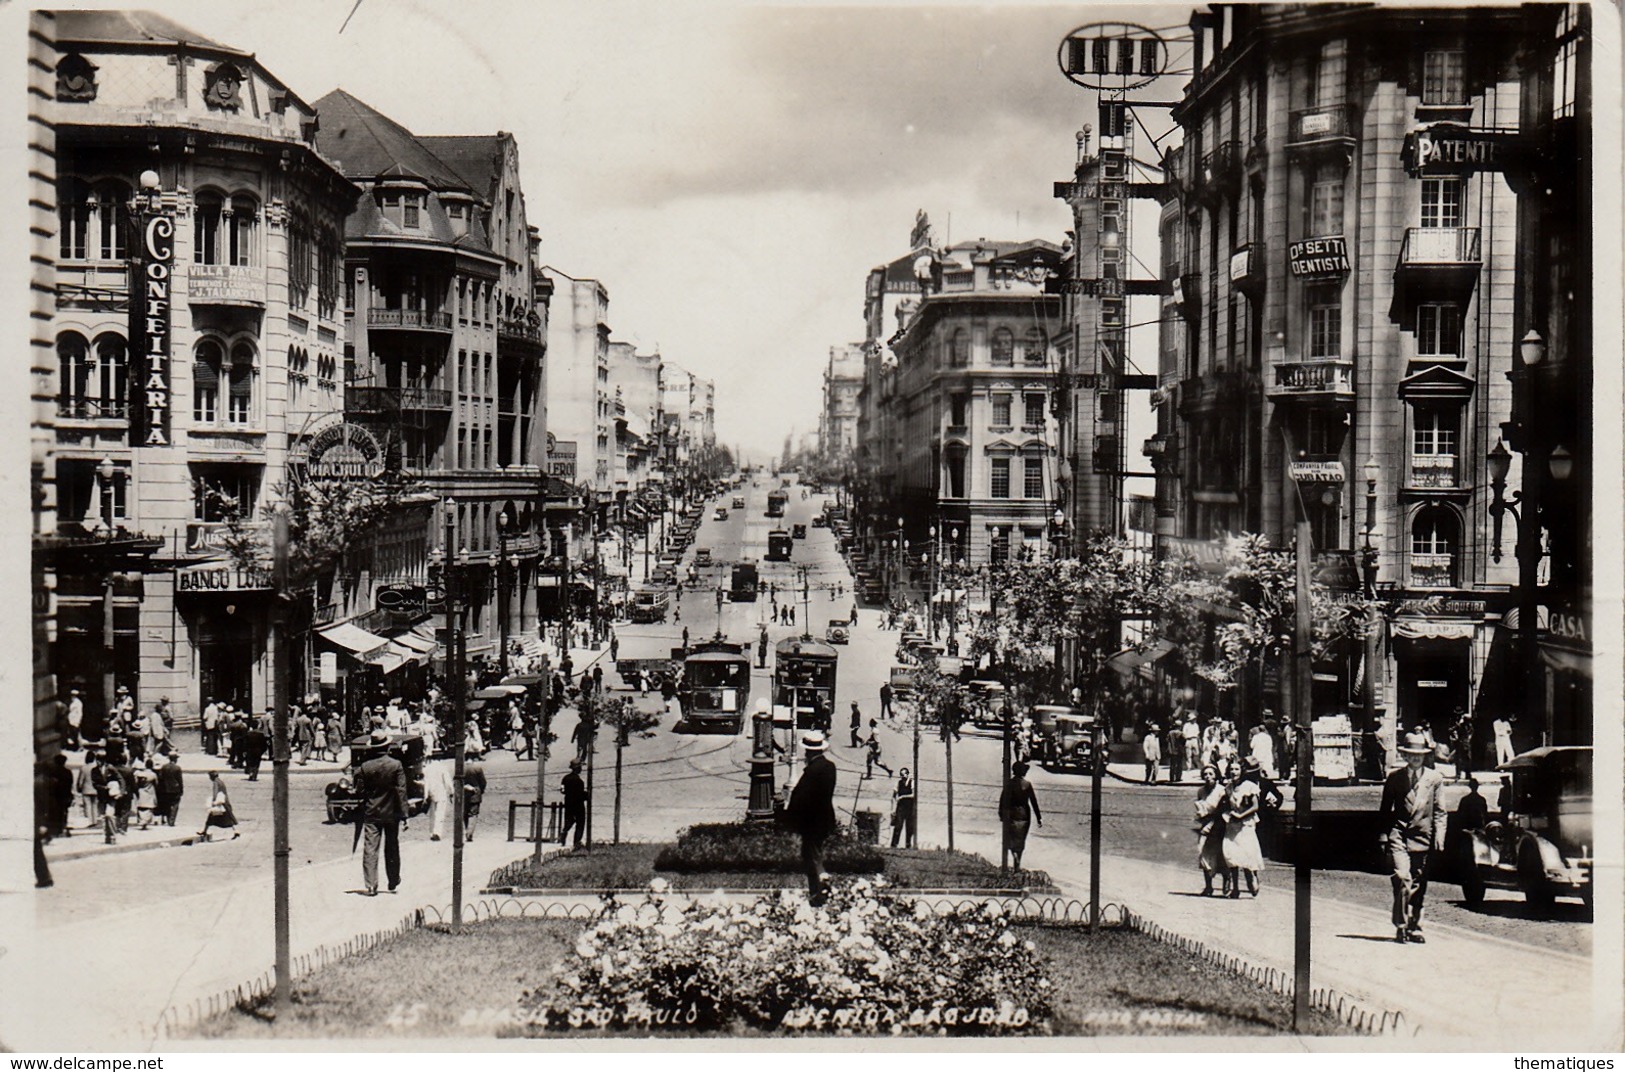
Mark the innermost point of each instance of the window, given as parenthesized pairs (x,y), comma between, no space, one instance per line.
(240,385)
(1325,320)
(1443,81)
(74,203)
(219,490)
(1326,201)
(240,226)
(1032,486)
(92,222)
(1324,433)
(1326,523)
(206,221)
(1434,538)
(1034,347)
(999,545)
(1438,330)
(1329,74)
(956,473)
(301,251)
(1111,313)
(410,210)
(999,478)
(1004,347)
(1001,411)
(112,375)
(1034,406)
(73,376)
(329,269)
(1436,431)
(1441,202)
(207,359)
(958,406)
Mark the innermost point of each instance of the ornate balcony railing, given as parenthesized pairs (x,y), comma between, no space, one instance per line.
(1330,376)
(408,320)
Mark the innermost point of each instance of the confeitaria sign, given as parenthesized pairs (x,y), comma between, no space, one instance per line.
(1318,257)
(149,326)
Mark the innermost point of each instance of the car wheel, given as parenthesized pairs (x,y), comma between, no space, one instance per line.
(1532,880)
(1472,883)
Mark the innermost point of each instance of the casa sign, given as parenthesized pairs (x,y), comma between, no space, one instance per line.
(150,302)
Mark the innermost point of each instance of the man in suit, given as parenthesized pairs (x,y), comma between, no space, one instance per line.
(812,814)
(1412,820)
(171,787)
(575,804)
(382,783)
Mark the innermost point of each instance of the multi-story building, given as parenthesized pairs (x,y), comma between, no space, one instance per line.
(446,321)
(1342,253)
(688,407)
(183,163)
(843,378)
(580,404)
(970,407)
(636,380)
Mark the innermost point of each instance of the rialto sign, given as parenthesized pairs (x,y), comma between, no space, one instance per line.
(150,303)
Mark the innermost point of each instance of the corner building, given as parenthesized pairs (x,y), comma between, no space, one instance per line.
(198,330)
(1340,246)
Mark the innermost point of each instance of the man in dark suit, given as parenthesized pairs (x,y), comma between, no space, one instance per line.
(811,813)
(382,783)
(575,804)
(171,787)
(1412,820)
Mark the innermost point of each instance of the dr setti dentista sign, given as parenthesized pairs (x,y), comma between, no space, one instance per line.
(150,303)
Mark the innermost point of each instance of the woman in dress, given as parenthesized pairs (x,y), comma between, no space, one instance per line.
(1017,807)
(318,736)
(146,793)
(1241,850)
(220,813)
(1210,831)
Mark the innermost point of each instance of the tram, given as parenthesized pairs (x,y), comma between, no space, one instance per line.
(780,545)
(775,503)
(715,687)
(804,681)
(744,582)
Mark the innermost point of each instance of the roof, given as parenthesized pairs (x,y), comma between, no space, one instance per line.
(368,144)
(475,157)
(130,28)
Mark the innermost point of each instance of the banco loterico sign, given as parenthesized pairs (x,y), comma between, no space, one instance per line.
(1452,149)
(151,292)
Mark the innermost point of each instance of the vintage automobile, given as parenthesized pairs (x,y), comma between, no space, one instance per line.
(649,606)
(1542,844)
(702,556)
(720,514)
(739,502)
(1063,738)
(798,532)
(836,632)
(902,681)
(987,704)
(344,801)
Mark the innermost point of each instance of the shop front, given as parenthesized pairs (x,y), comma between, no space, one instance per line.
(226,611)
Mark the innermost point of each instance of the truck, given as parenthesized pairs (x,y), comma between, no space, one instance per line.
(744,582)
(649,606)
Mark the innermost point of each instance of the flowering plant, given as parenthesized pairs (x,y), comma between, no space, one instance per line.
(867,962)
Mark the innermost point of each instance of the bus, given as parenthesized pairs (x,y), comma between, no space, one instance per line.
(779,546)
(745,582)
(715,688)
(804,681)
(775,503)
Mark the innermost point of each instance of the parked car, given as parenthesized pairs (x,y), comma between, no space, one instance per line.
(987,704)
(1063,738)
(836,632)
(1543,843)
(902,681)
(721,514)
(798,532)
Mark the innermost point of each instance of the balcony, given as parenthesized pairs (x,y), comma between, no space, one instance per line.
(1247,268)
(1435,264)
(1433,571)
(234,285)
(957,431)
(1317,379)
(409,320)
(1220,172)
(363,400)
(89,409)
(1433,471)
(1321,130)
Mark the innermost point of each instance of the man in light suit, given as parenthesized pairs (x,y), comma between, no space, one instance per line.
(1412,820)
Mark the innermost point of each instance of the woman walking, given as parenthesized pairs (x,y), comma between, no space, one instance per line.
(902,810)
(1018,806)
(146,793)
(1210,831)
(220,813)
(1241,850)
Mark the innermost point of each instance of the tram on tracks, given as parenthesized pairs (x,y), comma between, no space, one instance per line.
(804,680)
(715,686)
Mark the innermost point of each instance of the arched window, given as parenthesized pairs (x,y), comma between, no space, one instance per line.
(240,385)
(241,228)
(1435,537)
(92,222)
(111,208)
(73,371)
(959,348)
(73,202)
(206,221)
(1034,347)
(207,359)
(112,372)
(1004,347)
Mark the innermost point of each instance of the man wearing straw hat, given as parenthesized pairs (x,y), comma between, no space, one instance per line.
(1412,821)
(812,813)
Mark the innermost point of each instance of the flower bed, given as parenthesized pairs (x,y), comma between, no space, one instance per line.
(762,847)
(866,963)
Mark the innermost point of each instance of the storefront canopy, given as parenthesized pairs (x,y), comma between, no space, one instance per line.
(353,638)
(417,642)
(395,656)
(1126,662)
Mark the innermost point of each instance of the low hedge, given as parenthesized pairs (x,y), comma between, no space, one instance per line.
(763,847)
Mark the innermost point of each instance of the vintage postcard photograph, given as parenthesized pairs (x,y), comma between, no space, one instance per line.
(795,526)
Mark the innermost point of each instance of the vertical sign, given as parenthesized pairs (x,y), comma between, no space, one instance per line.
(150,293)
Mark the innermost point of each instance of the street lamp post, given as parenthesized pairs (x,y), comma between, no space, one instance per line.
(504,583)
(1372,625)
(1304,775)
(106,471)
(456,683)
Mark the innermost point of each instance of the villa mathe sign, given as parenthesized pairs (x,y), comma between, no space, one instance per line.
(151,292)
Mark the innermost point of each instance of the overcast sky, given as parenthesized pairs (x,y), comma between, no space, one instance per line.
(730,172)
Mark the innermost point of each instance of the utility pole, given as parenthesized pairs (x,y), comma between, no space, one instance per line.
(279,761)
(457,687)
(1302,815)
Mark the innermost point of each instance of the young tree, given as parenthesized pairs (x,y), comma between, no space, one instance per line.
(940,700)
(627,720)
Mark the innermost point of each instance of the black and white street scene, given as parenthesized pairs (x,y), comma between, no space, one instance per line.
(595,522)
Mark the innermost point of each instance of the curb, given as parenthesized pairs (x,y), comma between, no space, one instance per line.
(119,849)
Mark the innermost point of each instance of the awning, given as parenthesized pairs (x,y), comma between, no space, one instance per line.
(1129,660)
(1558,658)
(395,656)
(417,642)
(353,638)
(1426,629)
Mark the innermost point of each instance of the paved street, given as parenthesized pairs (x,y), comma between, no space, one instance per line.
(674,779)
